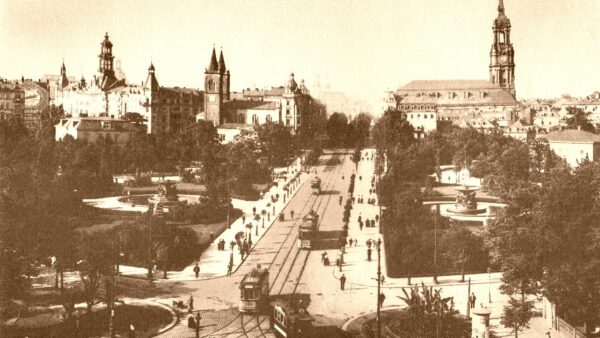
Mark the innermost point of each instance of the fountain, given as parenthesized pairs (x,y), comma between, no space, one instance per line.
(466,203)
(165,199)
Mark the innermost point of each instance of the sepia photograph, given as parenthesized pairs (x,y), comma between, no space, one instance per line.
(300,169)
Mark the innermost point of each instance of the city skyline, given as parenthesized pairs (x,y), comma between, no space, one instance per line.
(360,48)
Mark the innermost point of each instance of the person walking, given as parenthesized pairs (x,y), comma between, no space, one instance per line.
(341,198)
(323,255)
(229,268)
(342,281)
(473,299)
(350,242)
(292,214)
(369,254)
(196,270)
(360,225)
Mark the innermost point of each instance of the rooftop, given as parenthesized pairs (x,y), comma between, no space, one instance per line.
(572,136)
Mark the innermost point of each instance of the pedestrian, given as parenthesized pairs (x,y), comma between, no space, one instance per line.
(191,322)
(377,218)
(355,242)
(190,304)
(350,242)
(473,299)
(360,224)
(196,270)
(381,299)
(244,218)
(211,236)
(369,254)
(360,178)
(229,268)
(253,210)
(131,331)
(323,255)
(292,214)
(341,198)
(382,279)
(359,218)
(232,245)
(368,242)
(342,281)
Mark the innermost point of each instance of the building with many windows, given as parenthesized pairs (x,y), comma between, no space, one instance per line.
(426,103)
(12,98)
(163,109)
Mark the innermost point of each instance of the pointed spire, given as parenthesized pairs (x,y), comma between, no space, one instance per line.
(501,6)
(222,67)
(63,69)
(151,68)
(214,66)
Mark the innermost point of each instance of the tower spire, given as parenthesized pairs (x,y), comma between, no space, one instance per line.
(222,67)
(214,66)
(501,6)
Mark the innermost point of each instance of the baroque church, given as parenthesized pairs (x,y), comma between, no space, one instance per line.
(477,103)
(109,96)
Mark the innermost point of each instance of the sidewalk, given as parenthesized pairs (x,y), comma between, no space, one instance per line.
(213,263)
(361,274)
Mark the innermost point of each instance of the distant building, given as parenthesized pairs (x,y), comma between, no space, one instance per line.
(289,105)
(455,101)
(163,109)
(12,98)
(92,129)
(574,145)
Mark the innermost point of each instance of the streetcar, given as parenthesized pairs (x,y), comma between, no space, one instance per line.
(307,233)
(291,322)
(315,184)
(254,290)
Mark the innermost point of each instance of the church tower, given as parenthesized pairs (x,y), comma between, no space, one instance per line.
(216,88)
(106,71)
(502,63)
(63,81)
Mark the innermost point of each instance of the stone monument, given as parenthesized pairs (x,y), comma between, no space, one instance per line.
(466,203)
(164,199)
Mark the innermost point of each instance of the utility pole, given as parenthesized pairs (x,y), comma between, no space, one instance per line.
(111,323)
(435,221)
(378,288)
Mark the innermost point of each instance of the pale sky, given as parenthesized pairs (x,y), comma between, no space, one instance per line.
(361,47)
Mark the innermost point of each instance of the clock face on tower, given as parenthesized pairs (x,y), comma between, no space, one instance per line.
(35,96)
(503,59)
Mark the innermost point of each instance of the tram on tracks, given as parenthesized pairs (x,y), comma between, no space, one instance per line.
(254,291)
(315,184)
(291,322)
(308,231)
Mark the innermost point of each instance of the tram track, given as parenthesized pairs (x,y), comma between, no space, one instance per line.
(293,249)
(298,253)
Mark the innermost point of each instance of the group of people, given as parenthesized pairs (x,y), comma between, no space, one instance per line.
(221,245)
(368,223)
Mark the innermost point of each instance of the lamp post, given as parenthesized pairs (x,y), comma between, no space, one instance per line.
(378,244)
(489,285)
(263,212)
(149,274)
(435,221)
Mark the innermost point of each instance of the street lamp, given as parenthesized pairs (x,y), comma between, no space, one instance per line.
(377,245)
(489,285)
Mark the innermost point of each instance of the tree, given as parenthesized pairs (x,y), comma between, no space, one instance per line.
(517,315)
(337,130)
(578,118)
(392,131)
(97,256)
(277,143)
(360,127)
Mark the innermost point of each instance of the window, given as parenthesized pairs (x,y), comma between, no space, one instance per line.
(211,85)
(501,37)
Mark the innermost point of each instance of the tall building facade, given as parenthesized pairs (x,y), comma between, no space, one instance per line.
(216,88)
(502,54)
(163,109)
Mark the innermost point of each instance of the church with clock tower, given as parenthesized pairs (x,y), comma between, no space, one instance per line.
(482,104)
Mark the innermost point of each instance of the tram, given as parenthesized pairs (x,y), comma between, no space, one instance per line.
(307,233)
(315,184)
(291,322)
(254,290)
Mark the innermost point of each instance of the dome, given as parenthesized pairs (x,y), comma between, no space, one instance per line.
(291,84)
